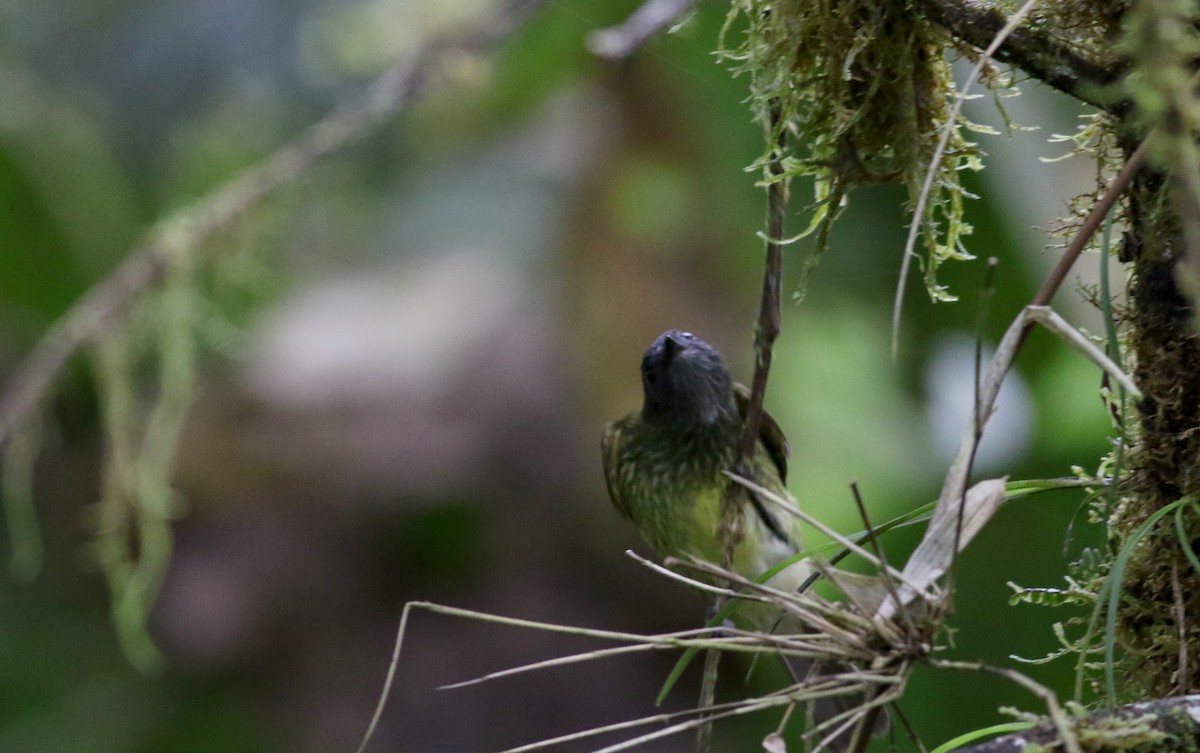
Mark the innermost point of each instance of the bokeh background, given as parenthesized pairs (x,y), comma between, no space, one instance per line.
(409,355)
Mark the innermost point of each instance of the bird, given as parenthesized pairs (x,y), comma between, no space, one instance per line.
(666,464)
(667,468)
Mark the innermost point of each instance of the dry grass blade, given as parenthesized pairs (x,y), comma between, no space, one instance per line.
(389,681)
(735,641)
(631,723)
(1048,318)
(690,582)
(742,707)
(837,726)
(560,661)
(955,483)
(796,512)
(952,528)
(732,640)
(841,627)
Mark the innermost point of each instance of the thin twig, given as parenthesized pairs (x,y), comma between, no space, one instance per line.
(877,545)
(769,315)
(898,713)
(1090,225)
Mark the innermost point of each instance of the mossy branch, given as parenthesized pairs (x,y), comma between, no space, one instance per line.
(1165,725)
(1035,50)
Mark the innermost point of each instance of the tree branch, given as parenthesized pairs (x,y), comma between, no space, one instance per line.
(1033,50)
(1166,725)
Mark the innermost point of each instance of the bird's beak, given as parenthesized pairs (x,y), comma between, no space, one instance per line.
(671,346)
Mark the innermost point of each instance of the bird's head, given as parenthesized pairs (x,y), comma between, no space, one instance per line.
(684,381)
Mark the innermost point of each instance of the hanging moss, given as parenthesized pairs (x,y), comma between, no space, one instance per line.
(861,89)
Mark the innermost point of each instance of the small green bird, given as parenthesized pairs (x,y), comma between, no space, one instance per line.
(665,467)
(665,464)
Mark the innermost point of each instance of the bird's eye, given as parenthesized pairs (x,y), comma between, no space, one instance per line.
(651,377)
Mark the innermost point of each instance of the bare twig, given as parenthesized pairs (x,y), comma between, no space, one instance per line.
(898,713)
(183,235)
(769,315)
(619,42)
(1090,225)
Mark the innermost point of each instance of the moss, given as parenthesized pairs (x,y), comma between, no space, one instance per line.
(861,89)
(1163,448)
(1162,42)
(1120,733)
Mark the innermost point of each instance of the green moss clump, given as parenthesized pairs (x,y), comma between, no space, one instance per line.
(861,88)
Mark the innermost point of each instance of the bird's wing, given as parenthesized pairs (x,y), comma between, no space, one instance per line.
(771,438)
(769,432)
(610,449)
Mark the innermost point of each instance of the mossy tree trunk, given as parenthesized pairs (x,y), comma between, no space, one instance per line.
(1160,614)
